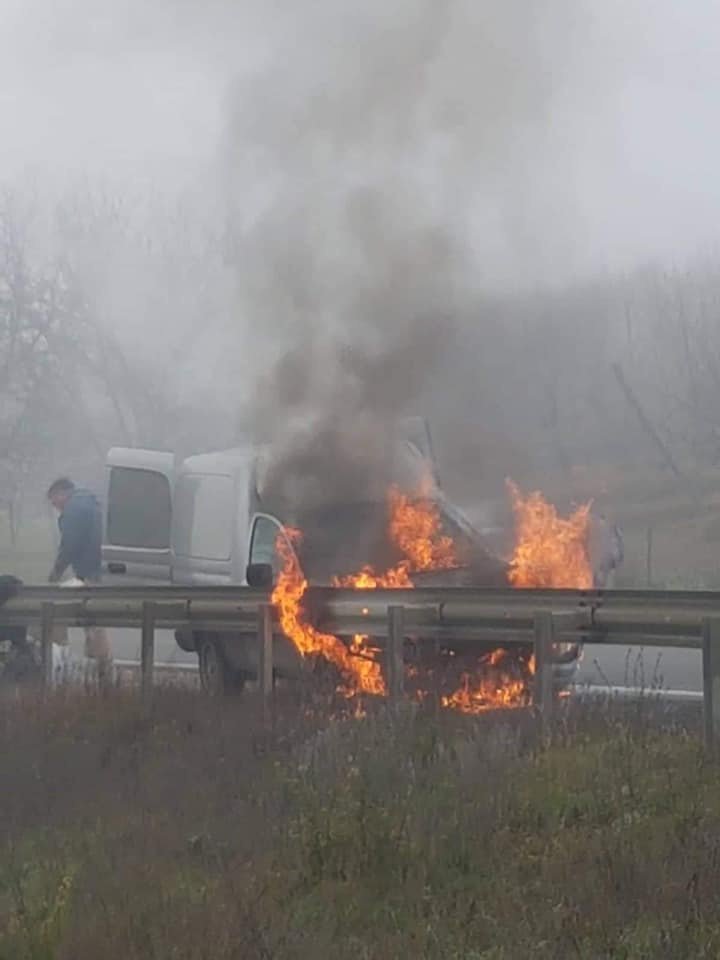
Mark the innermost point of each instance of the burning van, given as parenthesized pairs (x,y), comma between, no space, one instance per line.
(222,518)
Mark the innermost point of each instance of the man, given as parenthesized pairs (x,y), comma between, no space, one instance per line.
(80,523)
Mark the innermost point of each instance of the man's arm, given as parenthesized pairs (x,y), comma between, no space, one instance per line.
(74,528)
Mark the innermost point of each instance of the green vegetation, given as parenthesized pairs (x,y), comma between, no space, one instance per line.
(186,831)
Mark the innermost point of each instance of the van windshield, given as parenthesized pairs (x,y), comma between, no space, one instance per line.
(340,539)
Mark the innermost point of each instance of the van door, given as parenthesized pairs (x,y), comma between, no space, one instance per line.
(206,506)
(138,516)
(265,531)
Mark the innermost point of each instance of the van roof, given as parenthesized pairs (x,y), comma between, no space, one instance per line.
(232,460)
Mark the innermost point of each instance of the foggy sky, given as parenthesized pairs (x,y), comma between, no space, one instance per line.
(603,137)
(301,221)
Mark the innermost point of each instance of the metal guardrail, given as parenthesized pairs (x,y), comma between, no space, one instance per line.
(458,614)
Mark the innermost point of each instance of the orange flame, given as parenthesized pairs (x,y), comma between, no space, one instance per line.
(415,529)
(550,551)
(367,579)
(359,673)
(501,682)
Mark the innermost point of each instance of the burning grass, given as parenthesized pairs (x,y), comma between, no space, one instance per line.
(185,831)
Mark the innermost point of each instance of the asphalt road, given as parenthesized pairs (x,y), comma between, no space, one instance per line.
(616,666)
(669,668)
(126,646)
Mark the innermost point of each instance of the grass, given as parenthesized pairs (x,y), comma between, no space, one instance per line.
(186,830)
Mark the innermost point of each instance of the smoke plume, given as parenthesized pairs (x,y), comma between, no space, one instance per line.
(370,138)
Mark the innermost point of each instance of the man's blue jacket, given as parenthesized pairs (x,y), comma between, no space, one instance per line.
(80,526)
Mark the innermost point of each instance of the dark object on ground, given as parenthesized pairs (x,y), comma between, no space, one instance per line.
(18,658)
(9,587)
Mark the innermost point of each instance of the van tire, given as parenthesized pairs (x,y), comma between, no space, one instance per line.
(216,676)
(187,640)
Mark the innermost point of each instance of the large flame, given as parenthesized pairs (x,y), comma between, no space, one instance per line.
(416,531)
(550,550)
(360,674)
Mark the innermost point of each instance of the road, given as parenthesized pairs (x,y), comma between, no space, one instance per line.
(126,646)
(616,666)
(667,667)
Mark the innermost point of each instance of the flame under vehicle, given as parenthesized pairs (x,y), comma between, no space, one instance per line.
(210,520)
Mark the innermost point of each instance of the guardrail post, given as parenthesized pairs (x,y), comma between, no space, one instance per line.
(543,692)
(46,635)
(265,656)
(711,682)
(395,662)
(147,649)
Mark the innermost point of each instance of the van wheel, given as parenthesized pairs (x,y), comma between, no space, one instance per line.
(185,639)
(216,677)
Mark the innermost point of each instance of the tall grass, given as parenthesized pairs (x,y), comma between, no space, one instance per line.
(187,830)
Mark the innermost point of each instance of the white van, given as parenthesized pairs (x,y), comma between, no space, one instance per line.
(196,522)
(203,521)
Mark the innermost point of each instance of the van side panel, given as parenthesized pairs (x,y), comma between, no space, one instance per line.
(210,519)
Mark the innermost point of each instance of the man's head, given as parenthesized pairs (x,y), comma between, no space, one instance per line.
(60,492)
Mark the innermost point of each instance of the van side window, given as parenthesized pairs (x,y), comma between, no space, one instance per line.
(139,508)
(262,546)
